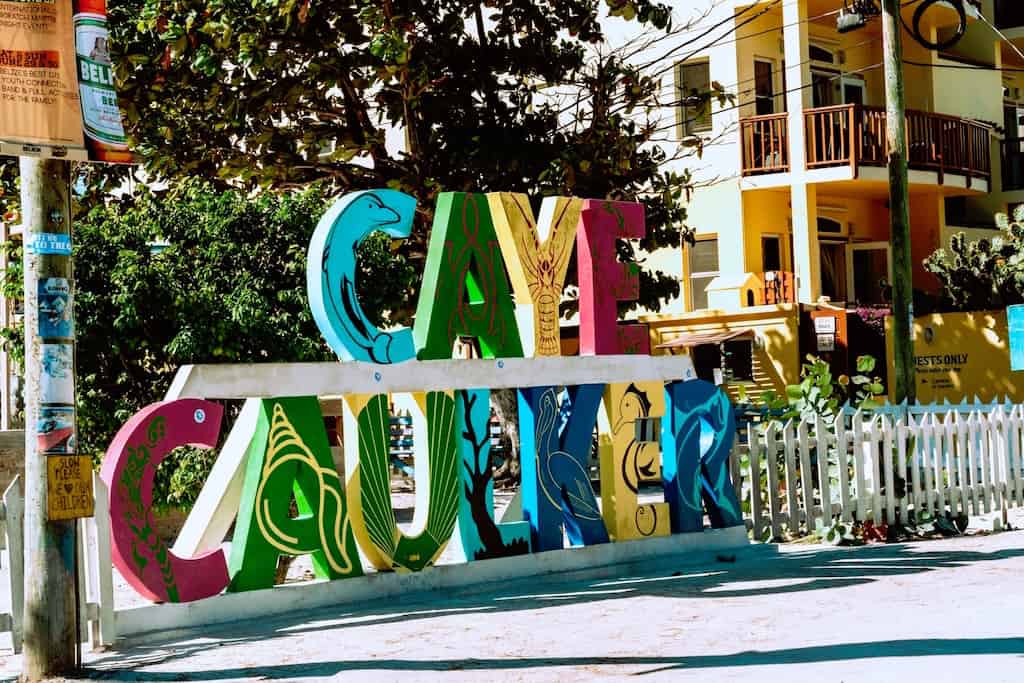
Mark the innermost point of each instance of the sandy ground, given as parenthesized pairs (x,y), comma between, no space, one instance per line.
(946,610)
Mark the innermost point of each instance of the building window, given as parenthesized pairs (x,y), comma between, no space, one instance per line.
(695,105)
(739,360)
(829,226)
(702,268)
(1009,13)
(822,55)
(771,253)
(764,88)
(731,361)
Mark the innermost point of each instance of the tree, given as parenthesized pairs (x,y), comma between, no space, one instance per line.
(290,92)
(984,275)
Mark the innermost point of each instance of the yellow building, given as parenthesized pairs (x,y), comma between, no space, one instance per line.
(793,225)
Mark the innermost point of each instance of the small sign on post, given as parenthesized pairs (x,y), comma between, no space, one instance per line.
(68,487)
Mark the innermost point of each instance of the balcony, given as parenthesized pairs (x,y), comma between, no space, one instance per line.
(777,287)
(854,135)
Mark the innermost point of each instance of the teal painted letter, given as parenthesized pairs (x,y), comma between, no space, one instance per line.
(331,274)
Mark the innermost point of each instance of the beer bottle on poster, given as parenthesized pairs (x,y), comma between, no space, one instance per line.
(101,117)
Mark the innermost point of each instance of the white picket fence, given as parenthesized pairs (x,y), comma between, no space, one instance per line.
(881,467)
(791,478)
(95,576)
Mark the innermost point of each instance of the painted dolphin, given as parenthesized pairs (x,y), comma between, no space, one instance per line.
(331,275)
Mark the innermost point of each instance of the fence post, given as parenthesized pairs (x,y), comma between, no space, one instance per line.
(104,565)
(938,453)
(14,503)
(858,465)
(789,453)
(806,475)
(901,463)
(843,462)
(876,477)
(754,440)
(985,443)
(887,452)
(772,458)
(823,440)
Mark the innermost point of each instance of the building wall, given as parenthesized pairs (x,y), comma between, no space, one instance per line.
(776,352)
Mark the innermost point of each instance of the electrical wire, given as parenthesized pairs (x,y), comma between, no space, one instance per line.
(915,28)
(965,67)
(1001,35)
(752,102)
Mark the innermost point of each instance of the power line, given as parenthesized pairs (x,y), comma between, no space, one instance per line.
(1001,35)
(749,103)
(965,67)
(731,17)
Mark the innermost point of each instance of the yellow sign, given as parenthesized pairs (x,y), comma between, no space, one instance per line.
(68,487)
(961,356)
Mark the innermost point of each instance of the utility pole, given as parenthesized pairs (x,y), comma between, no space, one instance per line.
(899,206)
(51,643)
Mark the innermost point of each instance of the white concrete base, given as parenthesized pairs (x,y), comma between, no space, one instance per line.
(298,597)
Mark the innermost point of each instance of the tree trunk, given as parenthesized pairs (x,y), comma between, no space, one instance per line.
(506,408)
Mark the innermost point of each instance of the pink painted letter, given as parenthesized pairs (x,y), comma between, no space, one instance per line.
(604,281)
(129,467)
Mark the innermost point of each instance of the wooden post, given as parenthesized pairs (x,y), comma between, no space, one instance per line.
(50,647)
(899,207)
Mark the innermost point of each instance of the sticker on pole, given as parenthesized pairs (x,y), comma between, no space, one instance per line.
(57,381)
(53,243)
(68,487)
(55,319)
(55,430)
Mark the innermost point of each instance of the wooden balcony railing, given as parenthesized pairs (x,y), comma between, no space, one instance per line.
(765,144)
(778,287)
(854,135)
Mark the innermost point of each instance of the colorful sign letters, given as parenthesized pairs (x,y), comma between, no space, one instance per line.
(294,500)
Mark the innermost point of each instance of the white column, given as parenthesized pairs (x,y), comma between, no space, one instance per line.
(803,197)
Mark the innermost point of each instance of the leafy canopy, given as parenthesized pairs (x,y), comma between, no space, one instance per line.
(416,95)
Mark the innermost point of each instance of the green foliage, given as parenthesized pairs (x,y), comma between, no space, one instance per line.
(282,93)
(820,394)
(987,274)
(193,276)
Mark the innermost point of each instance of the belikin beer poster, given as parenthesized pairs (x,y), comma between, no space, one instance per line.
(57,94)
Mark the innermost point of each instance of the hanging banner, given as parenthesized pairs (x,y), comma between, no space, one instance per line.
(57,96)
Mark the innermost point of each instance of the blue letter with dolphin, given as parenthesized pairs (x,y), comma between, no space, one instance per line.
(331,275)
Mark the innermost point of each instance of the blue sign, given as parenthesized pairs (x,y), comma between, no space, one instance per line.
(55,319)
(50,243)
(1015,318)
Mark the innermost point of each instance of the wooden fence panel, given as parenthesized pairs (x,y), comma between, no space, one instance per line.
(789,453)
(823,441)
(774,489)
(902,434)
(843,463)
(14,519)
(756,505)
(806,475)
(888,449)
(938,464)
(858,465)
(875,470)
